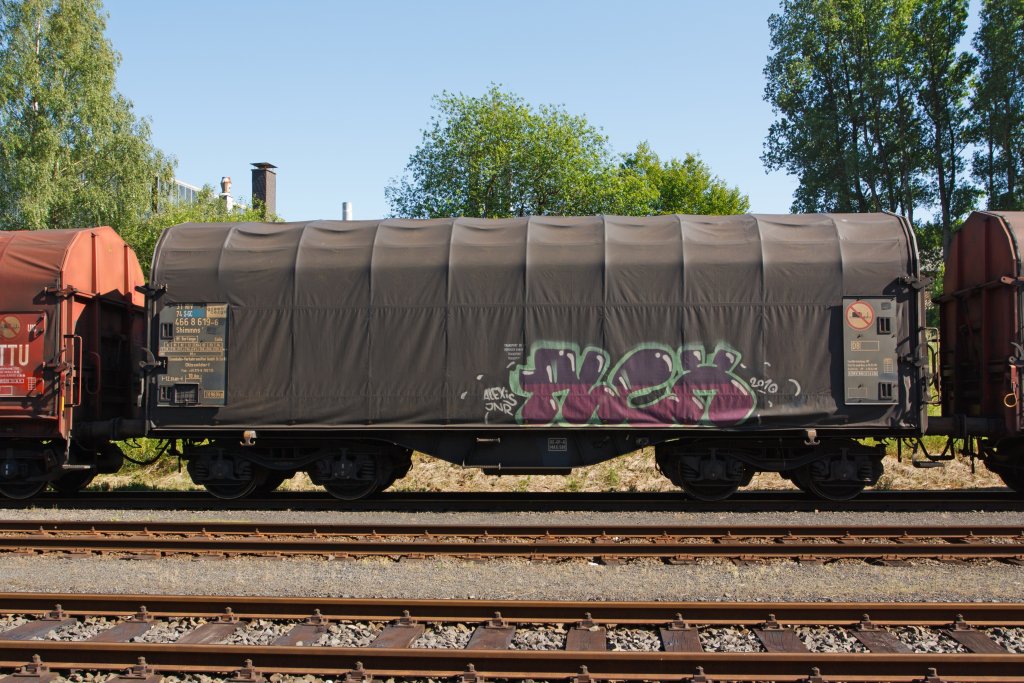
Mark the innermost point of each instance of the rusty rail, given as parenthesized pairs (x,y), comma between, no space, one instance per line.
(786,658)
(520,664)
(520,611)
(673,544)
(886,501)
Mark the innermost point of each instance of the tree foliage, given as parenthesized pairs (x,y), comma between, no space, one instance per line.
(942,75)
(72,151)
(998,103)
(681,186)
(497,156)
(870,101)
(207,208)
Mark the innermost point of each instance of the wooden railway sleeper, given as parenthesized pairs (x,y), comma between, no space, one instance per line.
(400,633)
(587,636)
(679,636)
(971,638)
(777,638)
(494,634)
(876,638)
(54,619)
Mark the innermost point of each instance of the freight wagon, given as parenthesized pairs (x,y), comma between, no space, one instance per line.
(730,344)
(70,323)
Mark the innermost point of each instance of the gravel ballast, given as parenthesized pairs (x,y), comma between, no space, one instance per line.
(924,580)
(587,517)
(348,634)
(518,579)
(828,639)
(539,638)
(729,639)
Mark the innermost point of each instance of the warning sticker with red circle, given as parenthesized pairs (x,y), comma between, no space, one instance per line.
(860,315)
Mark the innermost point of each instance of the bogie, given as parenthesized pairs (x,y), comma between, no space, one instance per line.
(836,469)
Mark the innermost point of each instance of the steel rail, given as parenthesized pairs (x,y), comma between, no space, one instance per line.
(888,501)
(514,663)
(245,528)
(607,543)
(987,662)
(517,611)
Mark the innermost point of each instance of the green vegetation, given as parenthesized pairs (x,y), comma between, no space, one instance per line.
(72,151)
(877,109)
(998,103)
(871,103)
(207,208)
(497,156)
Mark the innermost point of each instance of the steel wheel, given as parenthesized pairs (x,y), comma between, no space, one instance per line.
(73,482)
(709,492)
(243,480)
(350,491)
(234,491)
(22,490)
(827,490)
(1014,479)
(272,480)
(231,491)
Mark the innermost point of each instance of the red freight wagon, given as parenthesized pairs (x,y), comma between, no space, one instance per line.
(983,337)
(70,321)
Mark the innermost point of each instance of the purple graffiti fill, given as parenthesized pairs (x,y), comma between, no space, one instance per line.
(726,399)
(649,385)
(559,370)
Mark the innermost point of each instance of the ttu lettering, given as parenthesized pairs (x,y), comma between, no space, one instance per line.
(14,354)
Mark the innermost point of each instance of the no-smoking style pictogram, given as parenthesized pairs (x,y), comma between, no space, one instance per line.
(9,327)
(860,315)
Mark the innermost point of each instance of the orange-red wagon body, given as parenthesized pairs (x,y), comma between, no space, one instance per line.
(70,321)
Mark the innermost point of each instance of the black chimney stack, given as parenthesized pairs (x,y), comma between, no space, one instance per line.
(264,187)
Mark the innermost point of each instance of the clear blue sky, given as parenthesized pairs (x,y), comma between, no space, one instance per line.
(336,94)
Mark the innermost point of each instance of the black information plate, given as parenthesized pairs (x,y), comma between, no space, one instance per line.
(193,340)
(869,350)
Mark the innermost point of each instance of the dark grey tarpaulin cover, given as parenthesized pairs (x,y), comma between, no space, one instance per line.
(728,321)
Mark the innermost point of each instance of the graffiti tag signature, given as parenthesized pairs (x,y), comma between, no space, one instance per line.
(499,400)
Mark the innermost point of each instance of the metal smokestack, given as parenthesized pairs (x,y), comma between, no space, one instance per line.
(346,211)
(264,187)
(225,192)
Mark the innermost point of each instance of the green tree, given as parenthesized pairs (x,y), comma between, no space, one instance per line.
(998,103)
(682,186)
(841,82)
(497,156)
(942,79)
(72,151)
(207,208)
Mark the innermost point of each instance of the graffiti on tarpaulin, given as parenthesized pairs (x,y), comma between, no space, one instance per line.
(562,384)
(499,400)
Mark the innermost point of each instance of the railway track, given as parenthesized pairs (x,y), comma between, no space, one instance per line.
(993,500)
(605,543)
(881,638)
